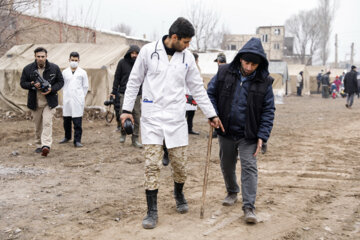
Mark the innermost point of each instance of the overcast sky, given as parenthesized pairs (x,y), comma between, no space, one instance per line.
(154,17)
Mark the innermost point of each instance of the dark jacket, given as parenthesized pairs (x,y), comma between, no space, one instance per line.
(123,71)
(52,74)
(325,79)
(350,82)
(246,108)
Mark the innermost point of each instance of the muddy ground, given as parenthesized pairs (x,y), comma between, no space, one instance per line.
(308,182)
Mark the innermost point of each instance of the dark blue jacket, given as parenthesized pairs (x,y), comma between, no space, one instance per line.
(243,110)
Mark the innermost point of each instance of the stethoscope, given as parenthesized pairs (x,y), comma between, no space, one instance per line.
(155,53)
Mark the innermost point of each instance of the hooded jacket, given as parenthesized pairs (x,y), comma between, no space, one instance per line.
(123,71)
(245,105)
(51,73)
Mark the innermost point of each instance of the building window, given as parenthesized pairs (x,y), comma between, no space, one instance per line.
(276,46)
(277,31)
(264,38)
(233,47)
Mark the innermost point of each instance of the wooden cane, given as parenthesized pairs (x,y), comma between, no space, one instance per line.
(206,174)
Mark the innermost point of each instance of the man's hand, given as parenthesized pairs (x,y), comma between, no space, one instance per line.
(112,95)
(258,148)
(216,123)
(37,85)
(125,116)
(46,93)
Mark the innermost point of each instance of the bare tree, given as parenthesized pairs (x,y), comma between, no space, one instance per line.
(9,12)
(205,21)
(305,30)
(326,14)
(123,28)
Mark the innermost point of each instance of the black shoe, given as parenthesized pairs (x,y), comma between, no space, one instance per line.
(193,133)
(64,140)
(181,204)
(165,160)
(151,218)
(38,150)
(78,144)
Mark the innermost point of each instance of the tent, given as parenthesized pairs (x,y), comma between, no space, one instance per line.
(279,71)
(99,61)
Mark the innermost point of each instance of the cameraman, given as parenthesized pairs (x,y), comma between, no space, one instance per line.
(42,101)
(122,74)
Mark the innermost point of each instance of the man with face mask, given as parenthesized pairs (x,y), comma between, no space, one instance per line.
(121,78)
(241,93)
(42,100)
(165,68)
(75,90)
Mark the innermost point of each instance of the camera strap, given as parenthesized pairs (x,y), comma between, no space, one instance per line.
(109,114)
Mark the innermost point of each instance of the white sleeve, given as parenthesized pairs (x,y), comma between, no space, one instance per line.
(136,78)
(196,87)
(85,83)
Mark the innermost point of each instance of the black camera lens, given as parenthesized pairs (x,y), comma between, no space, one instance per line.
(128,126)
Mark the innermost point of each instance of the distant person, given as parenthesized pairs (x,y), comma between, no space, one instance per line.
(75,89)
(220,59)
(351,86)
(318,80)
(42,98)
(164,68)
(242,95)
(121,78)
(299,83)
(325,84)
(337,82)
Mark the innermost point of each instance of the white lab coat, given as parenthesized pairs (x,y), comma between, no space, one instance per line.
(74,92)
(163,94)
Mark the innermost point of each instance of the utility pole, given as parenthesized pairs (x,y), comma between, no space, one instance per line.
(336,51)
(39,7)
(352,54)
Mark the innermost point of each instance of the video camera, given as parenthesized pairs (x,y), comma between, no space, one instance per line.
(109,102)
(44,84)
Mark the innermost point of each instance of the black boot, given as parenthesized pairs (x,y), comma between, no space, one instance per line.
(151,218)
(181,204)
(165,160)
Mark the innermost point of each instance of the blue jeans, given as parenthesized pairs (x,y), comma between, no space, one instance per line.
(229,150)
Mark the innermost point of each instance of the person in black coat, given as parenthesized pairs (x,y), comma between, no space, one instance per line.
(351,86)
(42,96)
(121,78)
(241,93)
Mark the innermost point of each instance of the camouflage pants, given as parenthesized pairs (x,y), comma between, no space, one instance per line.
(153,164)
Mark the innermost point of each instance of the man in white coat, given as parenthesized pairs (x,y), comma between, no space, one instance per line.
(165,68)
(75,90)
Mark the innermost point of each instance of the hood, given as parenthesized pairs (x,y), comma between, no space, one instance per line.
(253,46)
(133,48)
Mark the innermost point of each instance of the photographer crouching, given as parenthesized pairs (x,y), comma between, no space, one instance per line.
(43,80)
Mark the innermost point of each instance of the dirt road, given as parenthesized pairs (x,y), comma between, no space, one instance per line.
(309,182)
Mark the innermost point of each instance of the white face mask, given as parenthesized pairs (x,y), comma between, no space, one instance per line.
(74,64)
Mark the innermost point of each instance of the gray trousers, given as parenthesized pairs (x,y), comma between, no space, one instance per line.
(350,99)
(229,150)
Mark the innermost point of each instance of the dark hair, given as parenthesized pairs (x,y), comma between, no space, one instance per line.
(196,56)
(74,54)
(40,49)
(182,28)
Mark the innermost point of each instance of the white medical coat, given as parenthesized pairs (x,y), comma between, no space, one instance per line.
(163,94)
(74,92)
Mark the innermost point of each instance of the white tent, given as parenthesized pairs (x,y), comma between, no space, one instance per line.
(99,61)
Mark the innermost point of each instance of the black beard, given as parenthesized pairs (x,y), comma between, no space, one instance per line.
(243,72)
